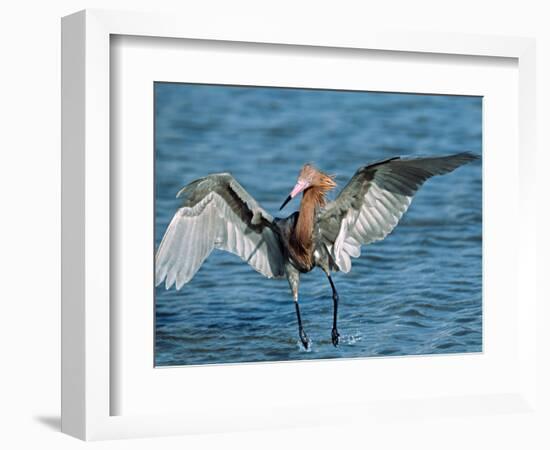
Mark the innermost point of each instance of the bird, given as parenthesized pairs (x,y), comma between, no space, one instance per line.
(218,213)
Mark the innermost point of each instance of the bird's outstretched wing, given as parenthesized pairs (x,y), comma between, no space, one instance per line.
(371,204)
(217,212)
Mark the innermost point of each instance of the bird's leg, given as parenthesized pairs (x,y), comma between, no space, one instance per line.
(301,332)
(335,300)
(293,277)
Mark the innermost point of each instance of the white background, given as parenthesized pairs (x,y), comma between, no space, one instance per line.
(29,177)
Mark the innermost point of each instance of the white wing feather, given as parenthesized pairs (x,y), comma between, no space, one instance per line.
(211,223)
(375,199)
(378,216)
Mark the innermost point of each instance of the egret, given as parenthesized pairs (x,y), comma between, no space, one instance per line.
(218,213)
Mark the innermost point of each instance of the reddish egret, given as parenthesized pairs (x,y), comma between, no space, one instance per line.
(217,212)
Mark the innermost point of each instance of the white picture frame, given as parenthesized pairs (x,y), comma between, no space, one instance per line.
(87,357)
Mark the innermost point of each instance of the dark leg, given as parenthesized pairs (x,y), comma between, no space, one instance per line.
(293,277)
(301,332)
(335,299)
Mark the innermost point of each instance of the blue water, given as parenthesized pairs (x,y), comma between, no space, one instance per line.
(416,292)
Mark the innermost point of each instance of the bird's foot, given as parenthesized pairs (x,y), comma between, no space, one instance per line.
(304,338)
(335,337)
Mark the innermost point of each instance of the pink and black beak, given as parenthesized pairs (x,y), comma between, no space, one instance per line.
(301,186)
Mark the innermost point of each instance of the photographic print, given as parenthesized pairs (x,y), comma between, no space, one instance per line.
(295,224)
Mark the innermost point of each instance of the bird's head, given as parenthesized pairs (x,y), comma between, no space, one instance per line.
(312,179)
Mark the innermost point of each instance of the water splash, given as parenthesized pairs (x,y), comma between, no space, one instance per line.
(352,339)
(301,347)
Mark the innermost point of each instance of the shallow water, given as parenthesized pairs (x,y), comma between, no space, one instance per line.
(416,292)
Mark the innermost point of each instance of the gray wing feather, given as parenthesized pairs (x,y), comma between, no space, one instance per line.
(217,212)
(372,203)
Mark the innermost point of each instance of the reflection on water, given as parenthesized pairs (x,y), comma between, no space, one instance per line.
(416,292)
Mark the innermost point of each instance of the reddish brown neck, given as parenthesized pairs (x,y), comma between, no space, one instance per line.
(303,232)
(304,226)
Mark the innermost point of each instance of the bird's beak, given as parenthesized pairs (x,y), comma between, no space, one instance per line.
(301,186)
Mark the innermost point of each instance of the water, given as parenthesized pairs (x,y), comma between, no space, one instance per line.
(416,292)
